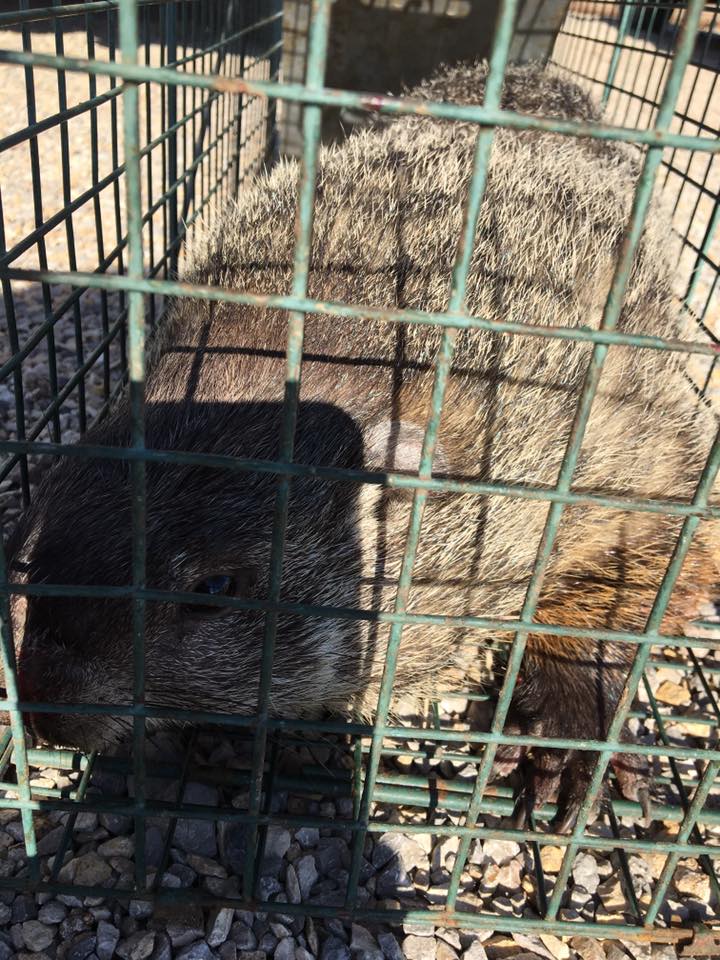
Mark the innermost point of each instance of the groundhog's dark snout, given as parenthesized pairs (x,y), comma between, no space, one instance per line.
(47,675)
(34,664)
(59,656)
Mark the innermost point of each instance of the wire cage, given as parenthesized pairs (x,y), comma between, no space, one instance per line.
(158,111)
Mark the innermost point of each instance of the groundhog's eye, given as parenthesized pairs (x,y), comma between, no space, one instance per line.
(238,583)
(217,585)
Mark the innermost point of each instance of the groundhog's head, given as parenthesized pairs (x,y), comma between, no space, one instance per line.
(208,535)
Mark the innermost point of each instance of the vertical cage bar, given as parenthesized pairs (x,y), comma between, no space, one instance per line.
(149,165)
(69,227)
(312,119)
(272,141)
(498,61)
(614,303)
(117,203)
(11,320)
(615,59)
(38,212)
(136,329)
(17,726)
(97,209)
(172,167)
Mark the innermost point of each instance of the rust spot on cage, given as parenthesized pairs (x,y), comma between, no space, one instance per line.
(699,943)
(232,85)
(372,103)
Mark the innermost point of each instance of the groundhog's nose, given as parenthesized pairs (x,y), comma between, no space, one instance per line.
(42,668)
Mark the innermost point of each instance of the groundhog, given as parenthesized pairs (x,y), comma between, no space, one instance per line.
(388,218)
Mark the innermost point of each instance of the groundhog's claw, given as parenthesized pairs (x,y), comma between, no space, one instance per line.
(563,776)
(566,823)
(521,811)
(633,779)
(549,775)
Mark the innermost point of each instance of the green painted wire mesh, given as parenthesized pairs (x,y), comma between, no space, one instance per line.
(101,181)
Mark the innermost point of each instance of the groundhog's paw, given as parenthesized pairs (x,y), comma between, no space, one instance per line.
(565,775)
(508,755)
(632,774)
(554,775)
(542,774)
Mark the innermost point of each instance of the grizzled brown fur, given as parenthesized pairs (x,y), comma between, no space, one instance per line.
(388,217)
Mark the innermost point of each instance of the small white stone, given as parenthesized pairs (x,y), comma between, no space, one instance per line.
(449,936)
(285,950)
(509,875)
(37,936)
(364,944)
(205,866)
(551,858)
(307,837)
(292,885)
(612,896)
(307,874)
(559,949)
(476,951)
(588,948)
(408,852)
(585,872)
(674,694)
(117,847)
(443,951)
(277,842)
(418,929)
(692,883)
(419,948)
(218,926)
(579,897)
(500,851)
(447,847)
(390,947)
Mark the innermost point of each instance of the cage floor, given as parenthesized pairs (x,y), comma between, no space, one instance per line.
(200,782)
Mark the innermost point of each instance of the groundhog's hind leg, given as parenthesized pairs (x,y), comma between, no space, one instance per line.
(569,688)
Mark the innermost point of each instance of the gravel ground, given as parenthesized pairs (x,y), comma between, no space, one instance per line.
(307,865)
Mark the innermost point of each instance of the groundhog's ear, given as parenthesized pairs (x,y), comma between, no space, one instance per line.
(395,446)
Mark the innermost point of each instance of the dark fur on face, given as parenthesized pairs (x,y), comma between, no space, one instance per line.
(388,216)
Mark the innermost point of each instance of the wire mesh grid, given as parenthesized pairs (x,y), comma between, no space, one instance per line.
(624,53)
(195,148)
(437,773)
